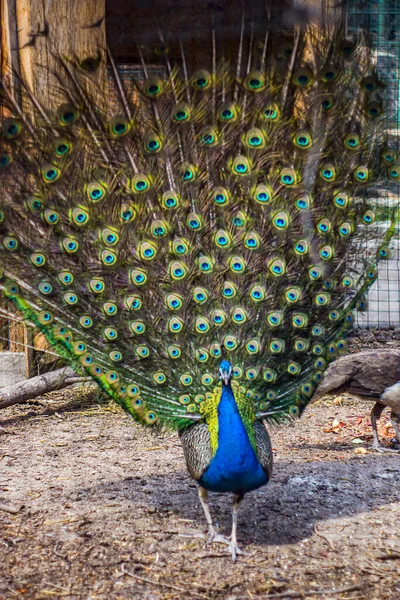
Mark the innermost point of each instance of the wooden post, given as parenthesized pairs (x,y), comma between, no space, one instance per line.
(9,64)
(63,29)
(3,325)
(28,347)
(16,335)
(20,339)
(32,33)
(9,43)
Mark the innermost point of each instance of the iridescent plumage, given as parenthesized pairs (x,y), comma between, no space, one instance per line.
(210,215)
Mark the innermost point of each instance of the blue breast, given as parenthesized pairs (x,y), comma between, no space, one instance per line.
(235,466)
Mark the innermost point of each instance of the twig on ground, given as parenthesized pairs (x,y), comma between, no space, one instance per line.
(10,509)
(390,555)
(318,592)
(321,535)
(3,430)
(161,584)
(211,555)
(58,587)
(57,553)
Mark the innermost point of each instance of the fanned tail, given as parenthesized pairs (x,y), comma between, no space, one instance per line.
(220,209)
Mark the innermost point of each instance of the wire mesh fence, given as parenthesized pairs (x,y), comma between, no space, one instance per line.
(381,19)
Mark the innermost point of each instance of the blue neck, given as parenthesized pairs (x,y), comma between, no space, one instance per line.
(227,399)
(235,466)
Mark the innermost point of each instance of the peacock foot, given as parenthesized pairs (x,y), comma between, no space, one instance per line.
(217,538)
(234,550)
(383,449)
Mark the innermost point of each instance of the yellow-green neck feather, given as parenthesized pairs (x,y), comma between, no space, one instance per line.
(209,410)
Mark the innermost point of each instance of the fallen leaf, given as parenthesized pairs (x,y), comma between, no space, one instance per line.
(360,451)
(335,426)
(357,441)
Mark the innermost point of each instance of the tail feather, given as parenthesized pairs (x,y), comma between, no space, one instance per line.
(211,213)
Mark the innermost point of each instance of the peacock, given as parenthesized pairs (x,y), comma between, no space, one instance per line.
(198,245)
(371,375)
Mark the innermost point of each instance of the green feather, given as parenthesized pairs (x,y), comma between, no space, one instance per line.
(211,215)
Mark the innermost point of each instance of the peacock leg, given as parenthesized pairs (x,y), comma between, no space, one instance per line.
(375,415)
(237,500)
(214,537)
(395,420)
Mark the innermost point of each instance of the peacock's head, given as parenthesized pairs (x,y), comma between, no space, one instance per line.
(225,371)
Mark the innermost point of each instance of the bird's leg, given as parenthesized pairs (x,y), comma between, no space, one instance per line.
(375,415)
(395,420)
(213,535)
(237,500)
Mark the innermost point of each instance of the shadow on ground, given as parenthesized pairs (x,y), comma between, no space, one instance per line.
(300,496)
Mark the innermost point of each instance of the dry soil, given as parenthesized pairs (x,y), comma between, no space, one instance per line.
(106,510)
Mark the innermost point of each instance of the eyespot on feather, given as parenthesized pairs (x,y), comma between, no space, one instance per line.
(119,126)
(152,143)
(302,139)
(228,112)
(202,80)
(50,173)
(255,81)
(181,113)
(153,87)
(67,114)
(241,166)
(140,184)
(289,177)
(271,112)
(303,77)
(96,191)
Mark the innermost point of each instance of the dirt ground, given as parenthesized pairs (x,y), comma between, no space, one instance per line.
(106,510)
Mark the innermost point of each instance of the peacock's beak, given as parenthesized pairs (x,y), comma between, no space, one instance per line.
(225,376)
